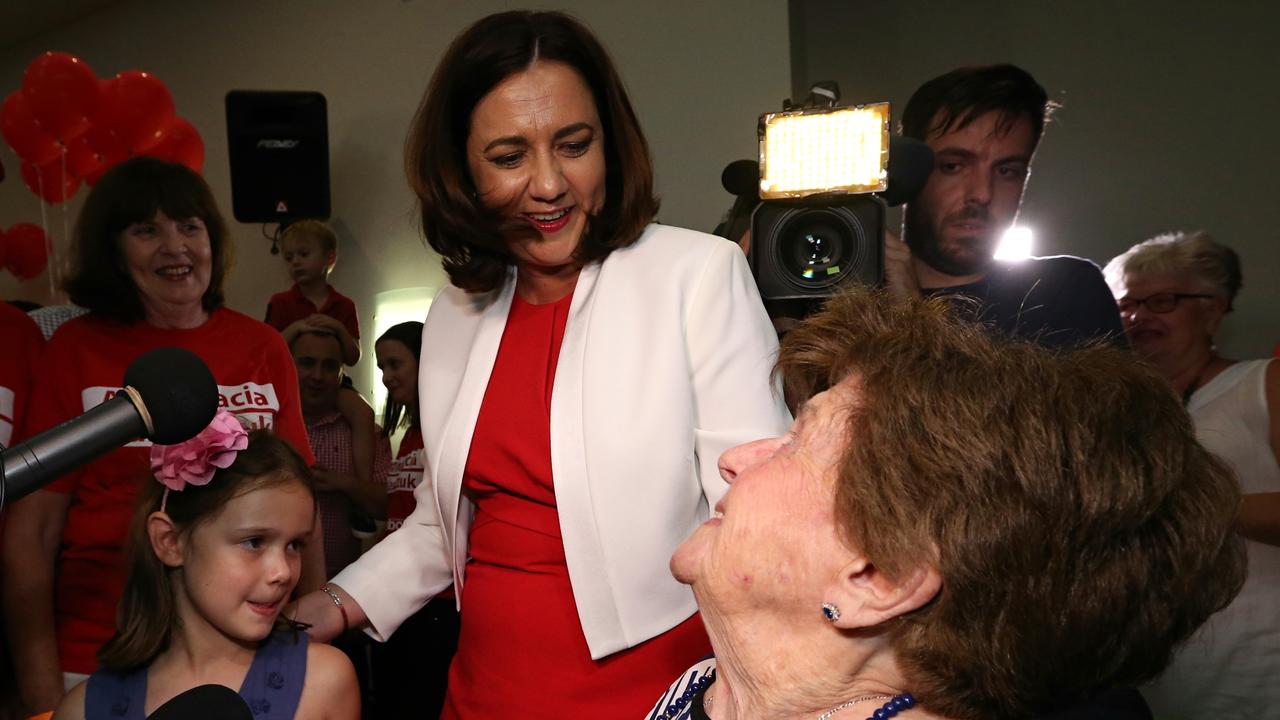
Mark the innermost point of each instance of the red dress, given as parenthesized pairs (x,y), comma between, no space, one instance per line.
(521,652)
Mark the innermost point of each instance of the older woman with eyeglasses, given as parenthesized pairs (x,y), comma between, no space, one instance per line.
(1173,292)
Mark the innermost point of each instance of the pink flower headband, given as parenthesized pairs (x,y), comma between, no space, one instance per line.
(193,462)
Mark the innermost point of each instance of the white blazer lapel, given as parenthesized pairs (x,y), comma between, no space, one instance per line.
(583,551)
(461,423)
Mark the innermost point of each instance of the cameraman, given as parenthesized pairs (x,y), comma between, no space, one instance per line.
(983,125)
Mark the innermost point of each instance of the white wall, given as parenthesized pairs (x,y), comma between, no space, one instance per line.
(699,73)
(1168,117)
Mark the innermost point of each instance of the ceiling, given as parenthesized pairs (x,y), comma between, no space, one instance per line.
(21,20)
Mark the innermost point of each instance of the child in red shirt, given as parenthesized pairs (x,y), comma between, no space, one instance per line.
(310,250)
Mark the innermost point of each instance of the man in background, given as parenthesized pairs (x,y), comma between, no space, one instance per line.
(983,125)
(343,498)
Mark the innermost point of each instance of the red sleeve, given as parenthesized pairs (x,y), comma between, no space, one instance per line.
(55,397)
(275,318)
(345,313)
(288,422)
(22,345)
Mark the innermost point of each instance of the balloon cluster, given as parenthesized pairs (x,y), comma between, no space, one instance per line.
(23,250)
(69,127)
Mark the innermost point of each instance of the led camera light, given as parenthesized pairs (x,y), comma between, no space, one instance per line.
(811,152)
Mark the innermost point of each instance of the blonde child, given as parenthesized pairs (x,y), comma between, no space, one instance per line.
(215,552)
(310,250)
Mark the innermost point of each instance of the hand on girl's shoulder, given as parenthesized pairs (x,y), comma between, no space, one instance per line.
(72,705)
(331,691)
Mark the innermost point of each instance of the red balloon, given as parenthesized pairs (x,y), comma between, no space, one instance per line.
(137,108)
(105,145)
(52,183)
(181,144)
(82,159)
(105,142)
(24,134)
(62,92)
(25,251)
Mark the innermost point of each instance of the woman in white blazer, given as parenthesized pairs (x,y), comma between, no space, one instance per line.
(578,383)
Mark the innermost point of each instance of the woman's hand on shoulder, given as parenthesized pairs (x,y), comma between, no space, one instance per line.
(72,705)
(331,691)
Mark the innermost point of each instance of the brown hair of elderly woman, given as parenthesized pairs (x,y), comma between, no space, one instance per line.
(468,236)
(1080,530)
(131,192)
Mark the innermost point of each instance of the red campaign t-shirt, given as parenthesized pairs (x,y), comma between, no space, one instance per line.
(406,474)
(20,344)
(83,366)
(288,307)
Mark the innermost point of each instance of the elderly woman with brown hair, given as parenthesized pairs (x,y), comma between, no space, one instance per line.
(954,529)
(1174,291)
(150,254)
(584,372)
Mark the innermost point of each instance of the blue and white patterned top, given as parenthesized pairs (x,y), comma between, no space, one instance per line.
(678,702)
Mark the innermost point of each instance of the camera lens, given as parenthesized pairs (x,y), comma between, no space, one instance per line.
(816,249)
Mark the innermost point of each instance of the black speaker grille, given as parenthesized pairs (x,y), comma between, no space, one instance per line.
(278,143)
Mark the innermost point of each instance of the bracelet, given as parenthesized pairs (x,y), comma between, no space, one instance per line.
(338,602)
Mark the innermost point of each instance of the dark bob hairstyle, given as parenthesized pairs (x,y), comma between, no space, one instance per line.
(470,237)
(128,193)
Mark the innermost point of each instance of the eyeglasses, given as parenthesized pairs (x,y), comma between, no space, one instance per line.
(1160,303)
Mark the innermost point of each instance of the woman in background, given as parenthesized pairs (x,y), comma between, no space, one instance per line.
(1174,291)
(150,255)
(411,669)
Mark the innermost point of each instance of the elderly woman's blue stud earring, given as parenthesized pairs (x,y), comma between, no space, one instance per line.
(830,612)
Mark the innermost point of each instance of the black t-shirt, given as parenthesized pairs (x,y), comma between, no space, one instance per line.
(1058,301)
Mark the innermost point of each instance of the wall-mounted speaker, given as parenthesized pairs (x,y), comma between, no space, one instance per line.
(278,142)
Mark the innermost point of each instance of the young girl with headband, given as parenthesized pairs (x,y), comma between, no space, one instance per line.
(215,552)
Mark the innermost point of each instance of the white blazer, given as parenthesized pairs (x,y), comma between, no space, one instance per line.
(665,364)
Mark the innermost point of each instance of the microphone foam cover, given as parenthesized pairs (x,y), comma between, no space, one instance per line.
(204,702)
(742,178)
(910,162)
(178,391)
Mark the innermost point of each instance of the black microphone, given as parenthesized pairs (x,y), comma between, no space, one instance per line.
(204,702)
(742,178)
(910,162)
(169,396)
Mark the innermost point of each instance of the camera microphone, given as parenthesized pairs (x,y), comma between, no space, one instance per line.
(741,178)
(910,162)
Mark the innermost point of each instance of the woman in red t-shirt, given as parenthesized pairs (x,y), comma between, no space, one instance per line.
(412,667)
(150,255)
